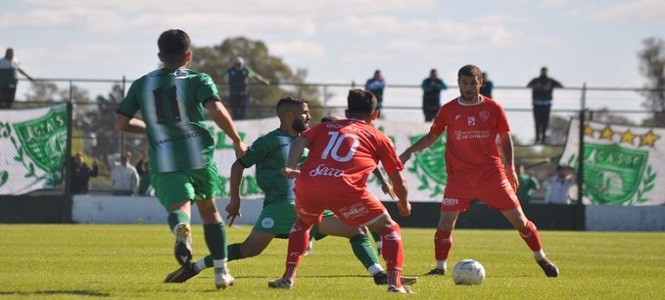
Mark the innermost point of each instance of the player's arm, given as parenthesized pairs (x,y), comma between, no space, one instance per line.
(223,119)
(295,153)
(509,159)
(423,143)
(401,191)
(129,124)
(233,208)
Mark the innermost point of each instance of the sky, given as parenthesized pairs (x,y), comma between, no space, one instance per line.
(592,42)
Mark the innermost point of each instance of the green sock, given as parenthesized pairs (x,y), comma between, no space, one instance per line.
(364,251)
(375,236)
(234,252)
(176,217)
(215,236)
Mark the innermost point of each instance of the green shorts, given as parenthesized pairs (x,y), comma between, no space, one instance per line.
(178,186)
(278,218)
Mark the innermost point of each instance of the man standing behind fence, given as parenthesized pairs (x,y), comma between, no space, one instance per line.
(541,95)
(432,87)
(238,77)
(8,78)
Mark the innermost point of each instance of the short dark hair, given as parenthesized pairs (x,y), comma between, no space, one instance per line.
(289,101)
(469,70)
(361,102)
(173,44)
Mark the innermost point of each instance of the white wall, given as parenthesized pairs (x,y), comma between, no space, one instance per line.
(625,218)
(103,209)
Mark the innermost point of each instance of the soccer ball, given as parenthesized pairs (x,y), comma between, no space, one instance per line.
(468,272)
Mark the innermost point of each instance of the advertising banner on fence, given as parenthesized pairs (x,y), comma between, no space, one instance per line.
(425,172)
(623,165)
(32,146)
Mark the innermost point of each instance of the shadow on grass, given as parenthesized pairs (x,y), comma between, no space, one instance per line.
(75,292)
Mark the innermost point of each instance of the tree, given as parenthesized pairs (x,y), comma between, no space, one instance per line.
(217,59)
(652,66)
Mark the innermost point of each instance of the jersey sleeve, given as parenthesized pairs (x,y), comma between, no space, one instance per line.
(207,90)
(439,125)
(388,154)
(130,105)
(260,149)
(502,121)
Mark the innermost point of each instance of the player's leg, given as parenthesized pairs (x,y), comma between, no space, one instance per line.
(531,236)
(443,241)
(393,251)
(214,231)
(360,243)
(377,240)
(174,191)
(298,240)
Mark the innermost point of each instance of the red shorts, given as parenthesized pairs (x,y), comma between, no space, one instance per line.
(494,190)
(353,209)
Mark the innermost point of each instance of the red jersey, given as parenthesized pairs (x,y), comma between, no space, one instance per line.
(342,155)
(471,147)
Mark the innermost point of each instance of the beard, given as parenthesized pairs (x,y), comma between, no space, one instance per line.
(299,125)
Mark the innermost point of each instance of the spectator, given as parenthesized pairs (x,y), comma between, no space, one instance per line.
(527,184)
(81,174)
(376,84)
(9,66)
(486,88)
(143,168)
(124,177)
(559,186)
(238,77)
(432,87)
(541,96)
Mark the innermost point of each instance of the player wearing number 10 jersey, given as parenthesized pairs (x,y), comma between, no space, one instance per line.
(342,154)
(173,101)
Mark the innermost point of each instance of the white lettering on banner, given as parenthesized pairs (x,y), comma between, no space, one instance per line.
(322,170)
(450,201)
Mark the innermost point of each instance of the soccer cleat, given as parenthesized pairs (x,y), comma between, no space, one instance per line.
(381,278)
(281,283)
(404,289)
(182,274)
(223,278)
(548,267)
(436,272)
(183,244)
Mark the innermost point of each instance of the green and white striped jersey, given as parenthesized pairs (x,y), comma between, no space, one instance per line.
(172,107)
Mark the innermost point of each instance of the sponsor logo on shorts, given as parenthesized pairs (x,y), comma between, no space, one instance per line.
(322,170)
(354,211)
(268,222)
(450,201)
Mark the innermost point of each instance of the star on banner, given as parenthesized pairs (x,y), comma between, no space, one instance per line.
(628,137)
(607,133)
(649,139)
(588,130)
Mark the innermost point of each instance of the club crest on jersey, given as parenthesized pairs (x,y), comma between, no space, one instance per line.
(484,115)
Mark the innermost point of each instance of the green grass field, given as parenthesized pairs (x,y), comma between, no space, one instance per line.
(130,261)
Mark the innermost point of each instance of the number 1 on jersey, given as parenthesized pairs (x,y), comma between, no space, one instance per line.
(335,143)
(162,102)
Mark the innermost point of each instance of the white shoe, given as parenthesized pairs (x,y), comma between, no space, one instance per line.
(281,284)
(404,289)
(223,278)
(183,244)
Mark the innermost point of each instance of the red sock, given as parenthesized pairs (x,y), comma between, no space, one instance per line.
(393,253)
(531,236)
(298,241)
(443,241)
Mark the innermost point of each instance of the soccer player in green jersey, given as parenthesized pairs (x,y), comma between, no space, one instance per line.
(269,153)
(173,101)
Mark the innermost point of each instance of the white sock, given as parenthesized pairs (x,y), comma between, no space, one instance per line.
(539,255)
(442,264)
(200,265)
(220,263)
(375,269)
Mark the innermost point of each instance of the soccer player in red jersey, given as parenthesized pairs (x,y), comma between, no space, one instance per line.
(342,155)
(475,167)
